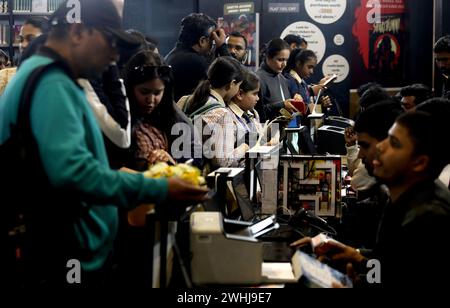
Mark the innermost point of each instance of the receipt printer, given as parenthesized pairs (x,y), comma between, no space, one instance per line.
(331,139)
(339,122)
(227,251)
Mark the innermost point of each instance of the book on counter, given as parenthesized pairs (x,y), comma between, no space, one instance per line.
(305,269)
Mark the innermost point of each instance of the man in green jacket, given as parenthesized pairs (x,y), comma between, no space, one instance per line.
(70,147)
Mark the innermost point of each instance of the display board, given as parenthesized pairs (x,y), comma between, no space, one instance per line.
(326,26)
(310,183)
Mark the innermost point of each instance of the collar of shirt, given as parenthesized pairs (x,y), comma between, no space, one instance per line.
(52,54)
(239,112)
(296,76)
(268,70)
(236,109)
(217,97)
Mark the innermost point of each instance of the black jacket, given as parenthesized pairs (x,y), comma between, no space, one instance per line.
(446,88)
(109,91)
(412,243)
(270,98)
(189,68)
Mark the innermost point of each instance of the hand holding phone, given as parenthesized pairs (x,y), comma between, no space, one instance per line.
(330,80)
(323,245)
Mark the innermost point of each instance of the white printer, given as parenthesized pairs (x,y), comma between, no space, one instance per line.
(228,252)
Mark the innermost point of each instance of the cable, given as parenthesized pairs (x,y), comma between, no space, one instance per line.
(294,228)
(187,280)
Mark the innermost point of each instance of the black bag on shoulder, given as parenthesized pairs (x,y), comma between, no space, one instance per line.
(34,233)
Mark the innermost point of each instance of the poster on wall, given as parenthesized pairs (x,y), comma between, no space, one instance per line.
(325,11)
(311,33)
(241,17)
(379,32)
(326,26)
(310,184)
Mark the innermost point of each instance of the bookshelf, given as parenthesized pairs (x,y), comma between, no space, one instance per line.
(14,13)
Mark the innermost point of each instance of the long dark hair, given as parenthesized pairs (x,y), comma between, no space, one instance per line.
(164,116)
(221,72)
(272,48)
(250,81)
(299,56)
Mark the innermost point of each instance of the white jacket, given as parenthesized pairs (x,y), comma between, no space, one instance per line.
(119,136)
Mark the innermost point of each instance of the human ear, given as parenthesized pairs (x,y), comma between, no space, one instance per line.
(245,57)
(203,40)
(421,163)
(76,33)
(240,94)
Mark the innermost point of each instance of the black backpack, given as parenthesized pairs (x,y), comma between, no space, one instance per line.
(34,228)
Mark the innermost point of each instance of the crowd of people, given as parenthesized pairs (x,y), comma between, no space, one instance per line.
(93,106)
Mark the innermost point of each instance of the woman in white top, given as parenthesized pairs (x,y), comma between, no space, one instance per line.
(242,123)
(207,106)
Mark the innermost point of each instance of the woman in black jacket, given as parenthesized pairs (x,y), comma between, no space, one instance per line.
(274,92)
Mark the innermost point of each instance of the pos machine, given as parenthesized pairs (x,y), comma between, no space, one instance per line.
(227,251)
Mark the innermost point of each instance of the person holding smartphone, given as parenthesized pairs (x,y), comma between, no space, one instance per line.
(300,66)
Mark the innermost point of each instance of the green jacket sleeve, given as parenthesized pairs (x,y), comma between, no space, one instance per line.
(72,151)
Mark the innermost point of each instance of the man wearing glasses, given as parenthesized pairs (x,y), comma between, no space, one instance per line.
(75,195)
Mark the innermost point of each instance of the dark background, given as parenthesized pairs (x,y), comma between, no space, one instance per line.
(161,19)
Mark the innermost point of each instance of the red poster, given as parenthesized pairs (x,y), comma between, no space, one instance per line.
(379,31)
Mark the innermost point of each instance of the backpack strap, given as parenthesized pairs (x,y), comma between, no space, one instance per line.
(23,117)
(185,103)
(204,109)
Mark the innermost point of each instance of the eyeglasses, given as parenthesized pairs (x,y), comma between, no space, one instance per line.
(151,71)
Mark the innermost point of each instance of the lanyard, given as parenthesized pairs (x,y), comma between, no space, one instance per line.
(308,95)
(281,89)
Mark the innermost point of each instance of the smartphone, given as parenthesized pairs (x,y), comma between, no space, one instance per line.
(330,80)
(320,240)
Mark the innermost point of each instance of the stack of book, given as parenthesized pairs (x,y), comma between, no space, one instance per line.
(32,6)
(4,35)
(3,6)
(52,5)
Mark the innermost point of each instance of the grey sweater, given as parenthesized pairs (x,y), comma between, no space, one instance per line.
(270,97)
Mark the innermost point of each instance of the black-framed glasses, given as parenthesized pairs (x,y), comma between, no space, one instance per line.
(152,71)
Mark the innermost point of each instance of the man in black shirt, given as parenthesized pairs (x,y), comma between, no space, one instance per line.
(192,54)
(415,225)
(442,56)
(361,221)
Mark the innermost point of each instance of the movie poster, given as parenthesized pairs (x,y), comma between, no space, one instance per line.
(241,17)
(379,31)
